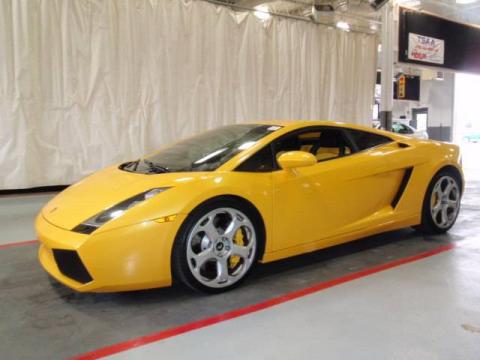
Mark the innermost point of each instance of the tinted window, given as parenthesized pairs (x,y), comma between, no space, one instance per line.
(262,161)
(325,144)
(365,140)
(204,152)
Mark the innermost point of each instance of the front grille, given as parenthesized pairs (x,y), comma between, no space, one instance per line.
(70,265)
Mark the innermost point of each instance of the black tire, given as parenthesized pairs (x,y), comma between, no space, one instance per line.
(181,269)
(430,224)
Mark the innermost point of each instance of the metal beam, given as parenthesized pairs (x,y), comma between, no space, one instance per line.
(386,102)
(238,6)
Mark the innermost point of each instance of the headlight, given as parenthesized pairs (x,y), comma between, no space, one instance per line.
(90,225)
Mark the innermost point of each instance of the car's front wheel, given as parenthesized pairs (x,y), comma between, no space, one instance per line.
(216,246)
(442,203)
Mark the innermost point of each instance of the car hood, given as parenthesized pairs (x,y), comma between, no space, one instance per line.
(103,190)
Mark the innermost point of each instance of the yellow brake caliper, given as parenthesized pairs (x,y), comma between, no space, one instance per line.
(238,240)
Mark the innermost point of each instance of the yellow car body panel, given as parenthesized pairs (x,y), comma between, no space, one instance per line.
(125,258)
(353,193)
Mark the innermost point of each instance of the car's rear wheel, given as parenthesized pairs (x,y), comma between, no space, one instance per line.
(442,203)
(216,247)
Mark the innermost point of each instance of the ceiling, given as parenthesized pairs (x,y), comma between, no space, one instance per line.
(359,15)
(466,13)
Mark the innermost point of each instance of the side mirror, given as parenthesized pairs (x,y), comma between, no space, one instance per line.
(296,159)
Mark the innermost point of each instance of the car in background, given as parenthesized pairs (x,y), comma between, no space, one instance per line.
(472,137)
(404,129)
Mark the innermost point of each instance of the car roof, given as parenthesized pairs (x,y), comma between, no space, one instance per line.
(296,124)
(290,125)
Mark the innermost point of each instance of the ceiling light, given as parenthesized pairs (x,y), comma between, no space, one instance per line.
(343,25)
(373,27)
(465,2)
(409,3)
(262,12)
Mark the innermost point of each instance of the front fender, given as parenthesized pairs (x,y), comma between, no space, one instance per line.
(186,195)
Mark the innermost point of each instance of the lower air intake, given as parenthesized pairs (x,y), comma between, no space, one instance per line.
(70,265)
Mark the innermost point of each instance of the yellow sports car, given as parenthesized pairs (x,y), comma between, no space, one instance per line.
(202,211)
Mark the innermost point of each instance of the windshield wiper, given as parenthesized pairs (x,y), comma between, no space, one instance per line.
(155,168)
(128,164)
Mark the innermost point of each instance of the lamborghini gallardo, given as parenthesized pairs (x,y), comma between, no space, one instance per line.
(204,210)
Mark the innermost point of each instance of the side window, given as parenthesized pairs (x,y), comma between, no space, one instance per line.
(261,161)
(325,144)
(366,140)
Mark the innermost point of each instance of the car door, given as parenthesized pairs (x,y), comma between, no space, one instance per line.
(347,189)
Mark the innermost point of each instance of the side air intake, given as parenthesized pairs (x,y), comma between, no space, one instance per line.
(402,187)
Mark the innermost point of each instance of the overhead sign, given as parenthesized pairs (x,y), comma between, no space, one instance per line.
(457,44)
(425,49)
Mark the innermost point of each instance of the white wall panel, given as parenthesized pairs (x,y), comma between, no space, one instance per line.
(84,84)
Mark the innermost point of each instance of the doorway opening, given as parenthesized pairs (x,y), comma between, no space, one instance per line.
(466,120)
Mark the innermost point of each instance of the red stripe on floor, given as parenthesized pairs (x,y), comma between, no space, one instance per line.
(165,334)
(20,243)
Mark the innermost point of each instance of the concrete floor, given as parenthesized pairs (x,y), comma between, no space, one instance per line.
(429,309)
(17,214)
(409,312)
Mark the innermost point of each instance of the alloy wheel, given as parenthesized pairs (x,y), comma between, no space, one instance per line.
(221,247)
(445,202)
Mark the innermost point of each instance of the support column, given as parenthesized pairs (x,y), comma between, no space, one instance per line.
(386,101)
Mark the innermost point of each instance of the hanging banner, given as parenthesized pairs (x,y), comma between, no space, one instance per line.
(425,49)
(406,87)
(401,87)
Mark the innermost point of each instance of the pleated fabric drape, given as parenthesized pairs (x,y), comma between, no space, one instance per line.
(84,84)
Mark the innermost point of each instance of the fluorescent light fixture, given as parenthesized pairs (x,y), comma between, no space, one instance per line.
(377,4)
(343,25)
(409,3)
(262,12)
(465,2)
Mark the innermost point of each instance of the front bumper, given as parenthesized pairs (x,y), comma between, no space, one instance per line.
(126,258)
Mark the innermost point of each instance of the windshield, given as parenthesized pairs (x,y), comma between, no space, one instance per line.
(204,152)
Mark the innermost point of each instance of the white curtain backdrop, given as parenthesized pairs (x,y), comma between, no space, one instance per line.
(84,84)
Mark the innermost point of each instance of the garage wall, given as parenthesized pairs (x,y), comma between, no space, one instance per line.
(84,84)
(438,97)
